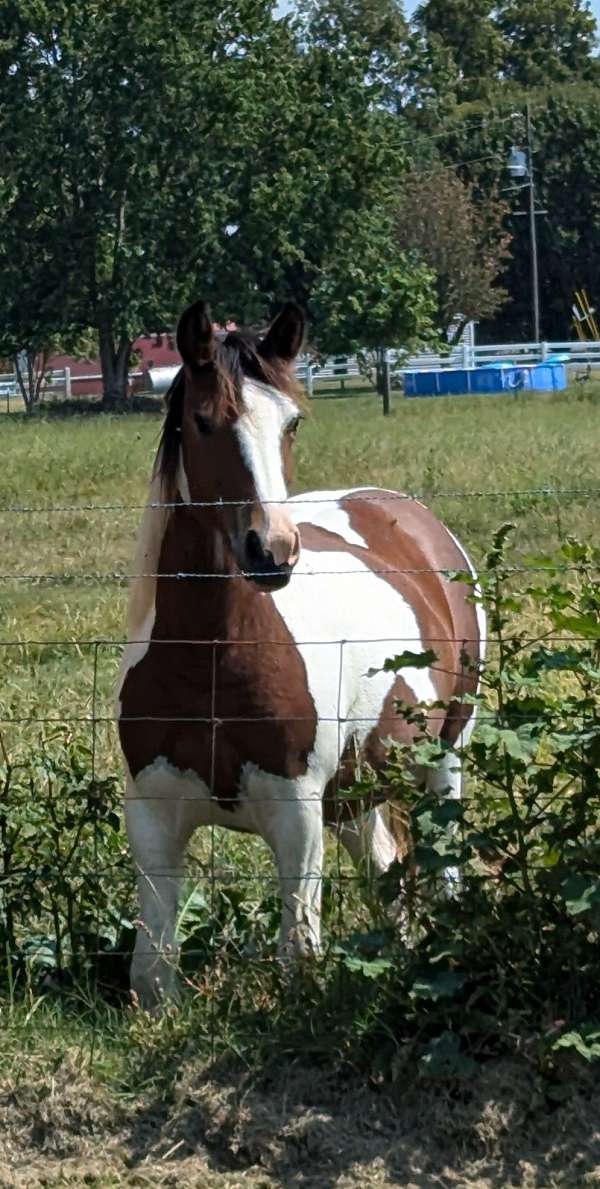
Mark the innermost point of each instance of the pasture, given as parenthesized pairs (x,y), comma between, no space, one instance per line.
(178,1101)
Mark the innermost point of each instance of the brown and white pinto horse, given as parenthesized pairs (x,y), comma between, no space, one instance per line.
(245,696)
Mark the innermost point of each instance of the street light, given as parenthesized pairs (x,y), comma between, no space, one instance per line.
(517,163)
(520,168)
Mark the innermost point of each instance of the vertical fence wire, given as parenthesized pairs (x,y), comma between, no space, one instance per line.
(100,876)
(340,810)
(212,860)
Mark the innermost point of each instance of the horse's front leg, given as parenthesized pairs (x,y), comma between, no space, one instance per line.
(289,816)
(159,828)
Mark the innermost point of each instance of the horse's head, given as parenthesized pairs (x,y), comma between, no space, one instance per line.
(227,441)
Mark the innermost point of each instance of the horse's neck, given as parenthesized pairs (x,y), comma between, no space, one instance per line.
(198,607)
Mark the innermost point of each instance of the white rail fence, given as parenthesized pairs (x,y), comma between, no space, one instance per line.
(465,355)
(338,369)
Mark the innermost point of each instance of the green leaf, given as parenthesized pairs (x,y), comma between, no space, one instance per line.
(584,625)
(584,1042)
(580,894)
(407,660)
(438,986)
(372,968)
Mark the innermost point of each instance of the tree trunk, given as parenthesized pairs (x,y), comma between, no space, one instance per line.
(384,386)
(30,371)
(114,362)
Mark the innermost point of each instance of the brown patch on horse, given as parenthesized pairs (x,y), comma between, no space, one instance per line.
(373,752)
(212,703)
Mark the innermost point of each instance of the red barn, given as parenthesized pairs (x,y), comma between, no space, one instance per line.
(152,350)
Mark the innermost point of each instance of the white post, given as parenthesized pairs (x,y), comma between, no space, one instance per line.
(544,351)
(68,383)
(309,378)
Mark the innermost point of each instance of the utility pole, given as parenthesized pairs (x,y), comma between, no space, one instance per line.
(520,167)
(535,280)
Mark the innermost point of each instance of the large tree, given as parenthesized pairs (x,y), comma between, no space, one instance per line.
(155,149)
(316,211)
(464,243)
(467,49)
(123,125)
(566,155)
(459,50)
(547,41)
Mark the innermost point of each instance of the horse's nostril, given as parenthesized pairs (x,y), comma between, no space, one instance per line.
(254,549)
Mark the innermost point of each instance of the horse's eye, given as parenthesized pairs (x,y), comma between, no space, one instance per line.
(292,427)
(203,425)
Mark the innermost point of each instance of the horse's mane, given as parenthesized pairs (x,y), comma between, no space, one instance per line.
(236,357)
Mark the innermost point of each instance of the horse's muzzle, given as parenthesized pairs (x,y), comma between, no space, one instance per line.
(260,566)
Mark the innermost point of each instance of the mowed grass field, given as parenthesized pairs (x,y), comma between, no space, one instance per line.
(62,570)
(81,1105)
(476,461)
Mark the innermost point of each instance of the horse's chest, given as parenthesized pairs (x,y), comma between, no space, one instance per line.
(211,708)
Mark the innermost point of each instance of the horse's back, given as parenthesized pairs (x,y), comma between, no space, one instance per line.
(373,582)
(403,546)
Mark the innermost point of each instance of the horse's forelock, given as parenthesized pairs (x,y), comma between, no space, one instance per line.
(236,357)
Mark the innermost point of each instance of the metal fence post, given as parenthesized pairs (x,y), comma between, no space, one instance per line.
(387,384)
(67,383)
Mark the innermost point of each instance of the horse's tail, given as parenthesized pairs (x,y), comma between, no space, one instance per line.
(396,820)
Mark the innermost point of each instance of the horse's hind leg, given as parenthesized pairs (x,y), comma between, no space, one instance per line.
(289,816)
(369,841)
(447,781)
(159,829)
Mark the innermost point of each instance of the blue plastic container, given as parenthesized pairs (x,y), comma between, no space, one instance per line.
(543,377)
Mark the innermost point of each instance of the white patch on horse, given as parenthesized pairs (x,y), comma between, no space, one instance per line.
(327,514)
(369,841)
(142,595)
(479,609)
(163,781)
(183,486)
(341,643)
(259,430)
(288,814)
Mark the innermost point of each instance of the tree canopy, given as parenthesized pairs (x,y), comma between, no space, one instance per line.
(159,149)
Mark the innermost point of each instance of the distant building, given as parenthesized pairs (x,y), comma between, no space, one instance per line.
(152,350)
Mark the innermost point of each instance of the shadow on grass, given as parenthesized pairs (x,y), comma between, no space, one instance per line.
(60,410)
(299,1123)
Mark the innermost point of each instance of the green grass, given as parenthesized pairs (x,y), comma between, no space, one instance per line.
(444,450)
(430,447)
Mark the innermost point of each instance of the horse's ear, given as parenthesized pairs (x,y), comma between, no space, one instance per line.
(195,338)
(285,336)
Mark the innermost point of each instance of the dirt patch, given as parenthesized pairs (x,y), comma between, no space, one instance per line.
(300,1128)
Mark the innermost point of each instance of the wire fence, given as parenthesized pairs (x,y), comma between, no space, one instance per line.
(97,863)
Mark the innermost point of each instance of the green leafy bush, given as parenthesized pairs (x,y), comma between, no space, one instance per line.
(65,875)
(425,976)
(514,949)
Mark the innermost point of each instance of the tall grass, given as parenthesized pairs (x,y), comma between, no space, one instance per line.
(453,453)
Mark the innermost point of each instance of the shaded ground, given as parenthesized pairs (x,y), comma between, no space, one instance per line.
(298,1127)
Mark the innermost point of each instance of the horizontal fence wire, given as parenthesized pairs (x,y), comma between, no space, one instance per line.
(366,572)
(83,642)
(366,494)
(218,871)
